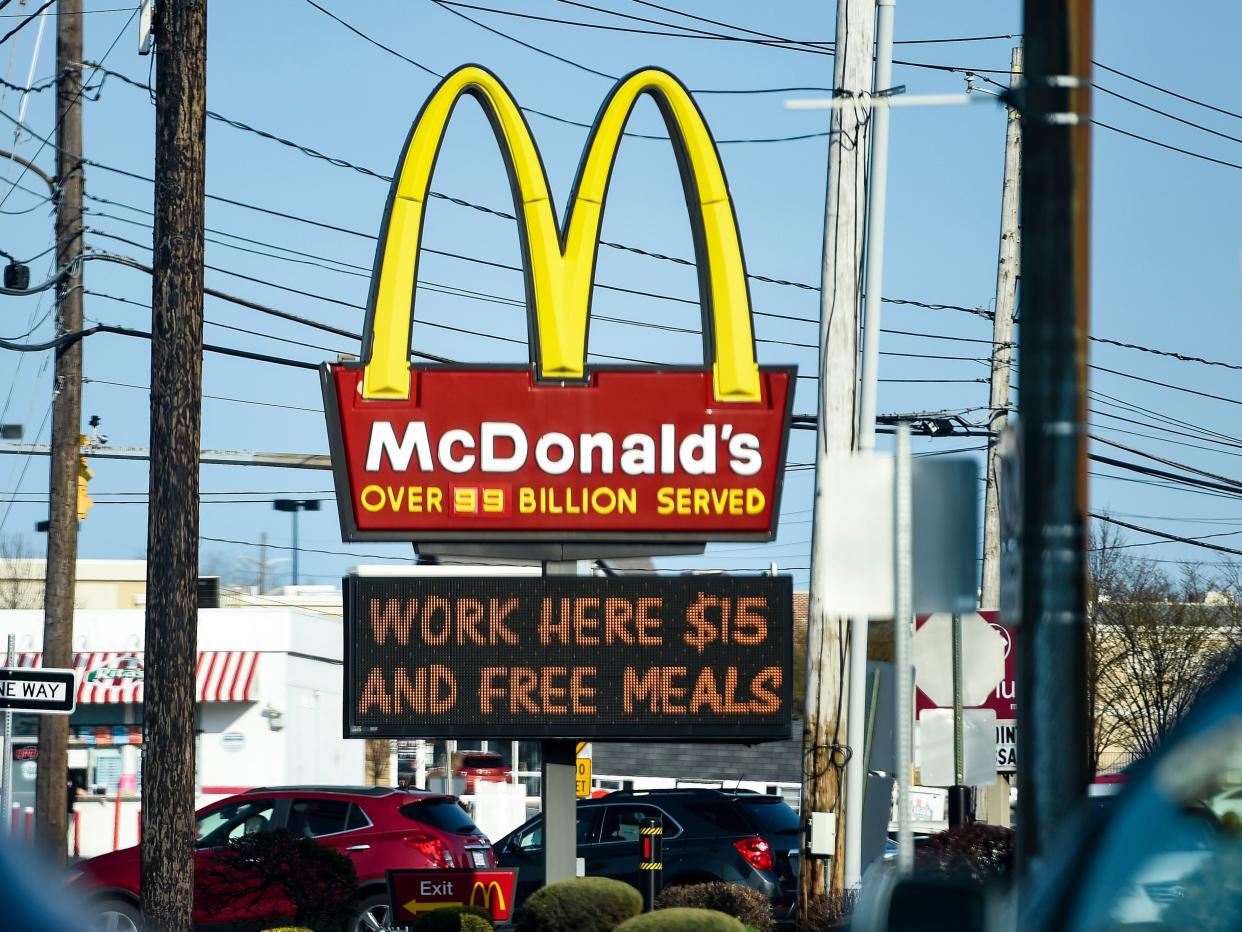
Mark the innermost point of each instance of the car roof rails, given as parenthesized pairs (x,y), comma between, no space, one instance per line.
(321,788)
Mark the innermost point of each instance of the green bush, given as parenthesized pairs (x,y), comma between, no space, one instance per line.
(682,919)
(743,903)
(585,904)
(454,919)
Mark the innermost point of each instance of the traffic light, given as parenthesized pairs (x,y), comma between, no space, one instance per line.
(84,476)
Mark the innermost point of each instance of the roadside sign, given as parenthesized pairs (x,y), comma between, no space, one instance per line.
(1003,697)
(979,754)
(414,892)
(582,779)
(1006,746)
(28,690)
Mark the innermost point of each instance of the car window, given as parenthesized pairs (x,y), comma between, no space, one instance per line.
(244,817)
(443,814)
(770,815)
(723,817)
(314,817)
(1171,855)
(356,818)
(532,838)
(622,822)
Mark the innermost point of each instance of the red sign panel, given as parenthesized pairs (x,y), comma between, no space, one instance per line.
(1003,700)
(493,454)
(415,892)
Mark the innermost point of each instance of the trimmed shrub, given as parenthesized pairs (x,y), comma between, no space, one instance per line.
(825,912)
(682,919)
(749,906)
(454,919)
(318,882)
(584,904)
(975,852)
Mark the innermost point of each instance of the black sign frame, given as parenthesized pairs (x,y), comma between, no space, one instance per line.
(742,728)
(67,678)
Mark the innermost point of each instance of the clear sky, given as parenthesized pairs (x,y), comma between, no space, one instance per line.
(1165,271)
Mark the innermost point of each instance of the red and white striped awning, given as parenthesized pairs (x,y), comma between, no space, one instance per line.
(115,678)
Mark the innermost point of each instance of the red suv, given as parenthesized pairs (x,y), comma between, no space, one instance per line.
(379,828)
(476,767)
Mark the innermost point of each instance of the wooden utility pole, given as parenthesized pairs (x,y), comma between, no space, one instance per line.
(62,534)
(824,729)
(1056,197)
(176,413)
(1002,340)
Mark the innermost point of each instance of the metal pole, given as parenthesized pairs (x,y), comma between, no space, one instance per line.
(836,431)
(651,859)
(1056,198)
(903,617)
(297,510)
(877,197)
(957,793)
(559,787)
(1002,340)
(6,774)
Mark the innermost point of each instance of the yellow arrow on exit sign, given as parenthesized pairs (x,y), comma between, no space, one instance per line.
(416,907)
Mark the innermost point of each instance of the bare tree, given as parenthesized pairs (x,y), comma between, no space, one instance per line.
(379,753)
(19,584)
(1156,641)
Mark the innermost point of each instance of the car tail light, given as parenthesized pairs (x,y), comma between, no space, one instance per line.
(756,852)
(430,847)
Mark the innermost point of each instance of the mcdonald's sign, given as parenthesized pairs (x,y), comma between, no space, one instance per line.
(558,450)
(414,892)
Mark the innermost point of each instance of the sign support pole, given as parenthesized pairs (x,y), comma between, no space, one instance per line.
(6,775)
(957,793)
(903,618)
(559,786)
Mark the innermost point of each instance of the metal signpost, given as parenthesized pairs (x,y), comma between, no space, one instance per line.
(554,462)
(22,689)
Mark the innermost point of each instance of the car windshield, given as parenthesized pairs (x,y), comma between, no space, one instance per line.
(1171,855)
(770,815)
(442,813)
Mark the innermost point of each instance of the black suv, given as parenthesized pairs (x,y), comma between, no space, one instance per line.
(738,837)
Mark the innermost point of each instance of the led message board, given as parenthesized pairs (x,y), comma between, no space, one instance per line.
(558,450)
(705,658)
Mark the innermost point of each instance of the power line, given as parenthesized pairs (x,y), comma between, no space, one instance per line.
(1167,462)
(1165,113)
(1179,388)
(1165,145)
(1192,541)
(1165,90)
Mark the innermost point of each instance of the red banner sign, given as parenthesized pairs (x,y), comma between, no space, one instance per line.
(490,453)
(414,892)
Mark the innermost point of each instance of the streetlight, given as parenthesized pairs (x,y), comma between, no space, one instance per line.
(295,505)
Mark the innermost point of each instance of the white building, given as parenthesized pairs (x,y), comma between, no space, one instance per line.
(269,707)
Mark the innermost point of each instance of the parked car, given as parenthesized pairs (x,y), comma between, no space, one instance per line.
(738,837)
(379,828)
(476,767)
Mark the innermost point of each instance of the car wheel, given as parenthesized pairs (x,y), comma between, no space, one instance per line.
(115,916)
(370,915)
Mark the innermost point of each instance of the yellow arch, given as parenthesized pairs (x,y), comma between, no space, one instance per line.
(561,263)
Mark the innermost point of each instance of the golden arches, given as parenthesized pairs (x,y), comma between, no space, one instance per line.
(561,262)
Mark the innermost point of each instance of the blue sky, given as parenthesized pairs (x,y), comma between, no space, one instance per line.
(1165,271)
